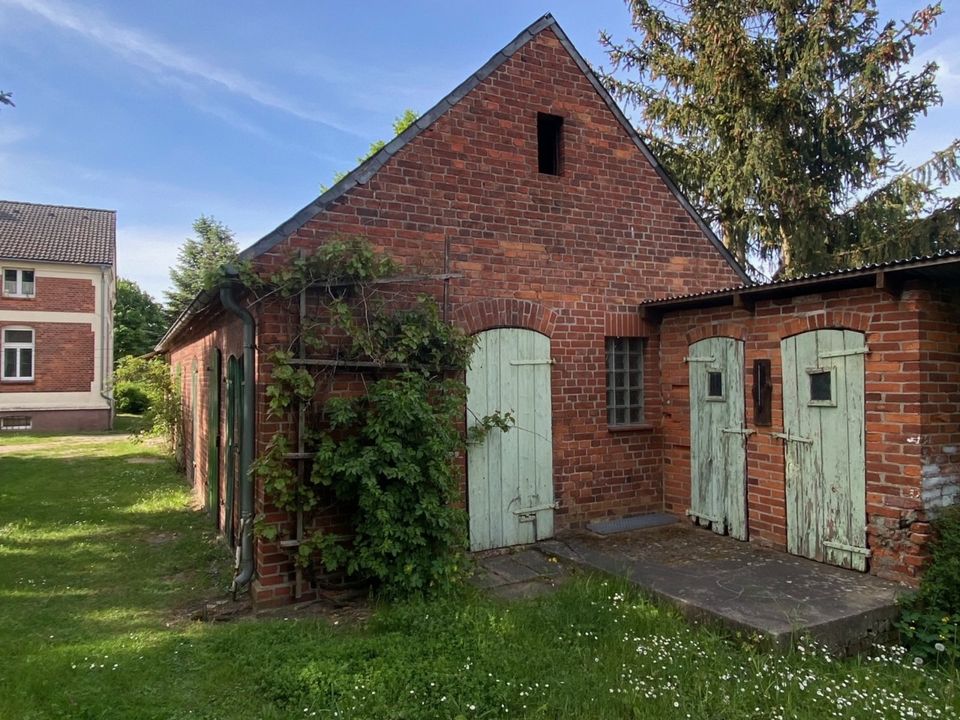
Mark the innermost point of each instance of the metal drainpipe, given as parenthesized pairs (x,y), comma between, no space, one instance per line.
(245,565)
(106,337)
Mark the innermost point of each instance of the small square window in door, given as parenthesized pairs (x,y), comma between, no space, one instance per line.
(715,384)
(820,386)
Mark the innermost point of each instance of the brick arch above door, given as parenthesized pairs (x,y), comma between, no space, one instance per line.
(826,319)
(505,312)
(735,329)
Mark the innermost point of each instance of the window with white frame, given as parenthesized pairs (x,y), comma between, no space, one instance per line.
(18,282)
(624,381)
(18,352)
(16,422)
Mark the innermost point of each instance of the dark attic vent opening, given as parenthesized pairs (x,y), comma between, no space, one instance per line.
(550,143)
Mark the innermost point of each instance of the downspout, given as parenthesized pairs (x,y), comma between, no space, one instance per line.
(106,341)
(245,565)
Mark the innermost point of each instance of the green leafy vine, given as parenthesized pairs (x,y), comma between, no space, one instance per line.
(389,459)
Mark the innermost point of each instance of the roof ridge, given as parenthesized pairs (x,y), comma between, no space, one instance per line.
(369,167)
(51,205)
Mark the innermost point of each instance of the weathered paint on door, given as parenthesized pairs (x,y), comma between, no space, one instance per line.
(213,436)
(510,475)
(823,422)
(718,436)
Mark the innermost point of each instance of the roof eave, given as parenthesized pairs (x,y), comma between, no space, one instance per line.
(874,276)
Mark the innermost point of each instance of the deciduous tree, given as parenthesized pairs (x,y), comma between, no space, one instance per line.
(138,321)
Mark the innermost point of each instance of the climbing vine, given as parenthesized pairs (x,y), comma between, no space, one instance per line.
(386,460)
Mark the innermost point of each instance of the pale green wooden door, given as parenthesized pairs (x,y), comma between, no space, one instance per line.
(718,436)
(823,423)
(510,475)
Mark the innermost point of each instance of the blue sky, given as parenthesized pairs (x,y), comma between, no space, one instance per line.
(163,111)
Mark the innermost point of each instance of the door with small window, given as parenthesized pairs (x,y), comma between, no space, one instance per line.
(823,435)
(718,436)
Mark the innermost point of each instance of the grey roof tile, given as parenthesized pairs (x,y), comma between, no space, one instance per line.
(57,233)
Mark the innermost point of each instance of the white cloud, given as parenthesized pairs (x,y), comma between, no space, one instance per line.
(145,254)
(156,56)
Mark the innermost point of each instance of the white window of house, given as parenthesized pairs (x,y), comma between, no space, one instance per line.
(18,351)
(18,282)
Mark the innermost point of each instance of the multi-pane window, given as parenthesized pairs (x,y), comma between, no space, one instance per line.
(17,354)
(624,381)
(18,282)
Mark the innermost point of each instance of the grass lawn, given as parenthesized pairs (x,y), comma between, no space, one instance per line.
(101,559)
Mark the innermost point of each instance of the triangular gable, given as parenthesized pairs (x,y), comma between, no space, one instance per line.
(362,174)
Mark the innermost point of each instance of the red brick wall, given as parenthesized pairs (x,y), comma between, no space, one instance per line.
(62,420)
(55,294)
(225,332)
(565,255)
(940,389)
(63,358)
(569,256)
(894,397)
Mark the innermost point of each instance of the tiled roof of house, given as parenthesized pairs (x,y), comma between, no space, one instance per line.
(56,233)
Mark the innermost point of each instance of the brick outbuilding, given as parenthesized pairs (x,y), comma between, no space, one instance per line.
(845,455)
(541,223)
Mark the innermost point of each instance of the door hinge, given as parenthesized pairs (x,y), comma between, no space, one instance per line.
(746,432)
(701,516)
(833,545)
(791,438)
(691,359)
(537,508)
(843,353)
(548,361)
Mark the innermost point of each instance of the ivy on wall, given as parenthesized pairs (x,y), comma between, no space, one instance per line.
(389,457)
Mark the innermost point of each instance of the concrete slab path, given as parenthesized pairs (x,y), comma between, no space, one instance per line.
(742,586)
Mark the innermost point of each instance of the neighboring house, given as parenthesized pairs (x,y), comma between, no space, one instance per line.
(56,316)
(551,222)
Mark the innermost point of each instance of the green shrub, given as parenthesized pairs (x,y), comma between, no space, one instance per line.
(131,398)
(155,380)
(929,623)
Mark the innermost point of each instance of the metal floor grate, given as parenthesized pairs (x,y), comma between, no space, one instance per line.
(637,522)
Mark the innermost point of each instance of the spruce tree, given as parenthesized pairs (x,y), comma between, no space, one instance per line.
(777,118)
(198,262)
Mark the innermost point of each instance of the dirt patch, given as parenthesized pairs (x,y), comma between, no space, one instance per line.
(160,538)
(144,460)
(337,608)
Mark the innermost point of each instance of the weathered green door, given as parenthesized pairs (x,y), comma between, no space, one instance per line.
(718,436)
(510,475)
(823,423)
(213,436)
